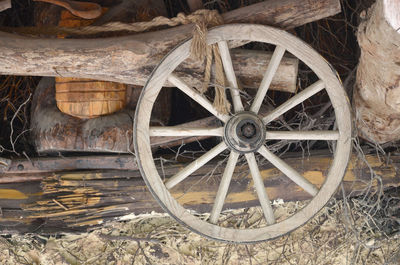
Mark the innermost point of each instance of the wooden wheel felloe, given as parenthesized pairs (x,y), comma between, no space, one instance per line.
(243,135)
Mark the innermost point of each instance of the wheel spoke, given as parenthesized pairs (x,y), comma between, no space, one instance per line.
(266,81)
(223,187)
(185,131)
(302,135)
(196,164)
(295,100)
(289,171)
(196,96)
(260,189)
(230,75)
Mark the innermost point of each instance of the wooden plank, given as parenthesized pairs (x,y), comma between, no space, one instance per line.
(56,164)
(76,200)
(131,59)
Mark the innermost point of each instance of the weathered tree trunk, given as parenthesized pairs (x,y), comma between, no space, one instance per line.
(73,200)
(377,91)
(131,59)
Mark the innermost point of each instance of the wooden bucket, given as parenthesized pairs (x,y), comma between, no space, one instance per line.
(87,98)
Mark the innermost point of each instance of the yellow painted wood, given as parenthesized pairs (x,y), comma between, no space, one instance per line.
(12,194)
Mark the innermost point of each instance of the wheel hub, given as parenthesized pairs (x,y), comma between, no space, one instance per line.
(244,132)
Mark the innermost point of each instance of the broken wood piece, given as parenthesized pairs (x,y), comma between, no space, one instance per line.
(131,59)
(377,91)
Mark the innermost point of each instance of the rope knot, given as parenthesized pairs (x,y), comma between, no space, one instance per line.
(202,19)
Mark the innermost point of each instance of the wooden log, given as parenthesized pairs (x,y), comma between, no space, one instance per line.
(250,67)
(131,59)
(78,199)
(377,90)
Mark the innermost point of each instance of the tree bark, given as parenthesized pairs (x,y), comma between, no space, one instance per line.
(131,59)
(377,91)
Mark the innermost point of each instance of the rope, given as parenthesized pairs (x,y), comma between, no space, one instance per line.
(199,49)
(221,103)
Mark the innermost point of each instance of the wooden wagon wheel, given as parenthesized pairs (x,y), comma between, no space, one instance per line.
(244,133)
